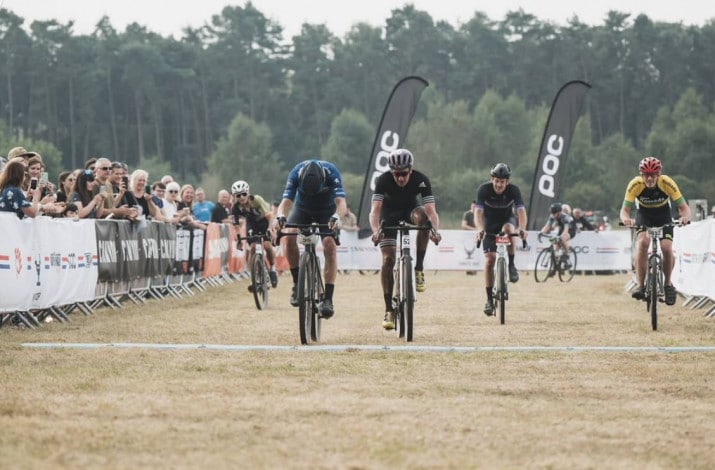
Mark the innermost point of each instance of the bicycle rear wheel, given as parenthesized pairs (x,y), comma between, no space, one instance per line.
(305,297)
(652,293)
(567,270)
(259,285)
(544,267)
(501,289)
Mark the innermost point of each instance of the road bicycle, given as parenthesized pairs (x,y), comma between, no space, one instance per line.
(500,289)
(310,289)
(260,279)
(655,278)
(553,260)
(404,277)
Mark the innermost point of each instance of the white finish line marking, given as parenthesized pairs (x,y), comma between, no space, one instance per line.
(367,347)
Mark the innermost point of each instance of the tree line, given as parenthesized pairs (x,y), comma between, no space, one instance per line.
(236,99)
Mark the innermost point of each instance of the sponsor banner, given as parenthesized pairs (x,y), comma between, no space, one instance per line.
(183,251)
(554,149)
(46,262)
(608,251)
(129,258)
(106,234)
(149,254)
(391,135)
(214,251)
(167,247)
(694,250)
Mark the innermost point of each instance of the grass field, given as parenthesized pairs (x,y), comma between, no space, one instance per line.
(301,407)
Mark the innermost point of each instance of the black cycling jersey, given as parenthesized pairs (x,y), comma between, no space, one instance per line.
(498,208)
(398,202)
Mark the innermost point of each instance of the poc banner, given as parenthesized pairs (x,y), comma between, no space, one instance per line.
(149,258)
(167,248)
(129,258)
(391,134)
(555,145)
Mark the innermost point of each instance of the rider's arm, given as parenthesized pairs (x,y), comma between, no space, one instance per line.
(684,212)
(341,207)
(479,219)
(375,209)
(521,219)
(431,211)
(625,215)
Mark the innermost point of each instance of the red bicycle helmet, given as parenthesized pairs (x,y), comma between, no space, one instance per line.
(650,165)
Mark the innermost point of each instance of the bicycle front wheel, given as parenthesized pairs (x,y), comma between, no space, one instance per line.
(409,298)
(318,294)
(305,297)
(652,292)
(259,285)
(567,266)
(544,267)
(501,289)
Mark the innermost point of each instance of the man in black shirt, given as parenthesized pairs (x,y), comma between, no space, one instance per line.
(497,201)
(396,199)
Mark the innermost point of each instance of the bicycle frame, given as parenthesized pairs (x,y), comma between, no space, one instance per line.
(259,273)
(500,289)
(654,281)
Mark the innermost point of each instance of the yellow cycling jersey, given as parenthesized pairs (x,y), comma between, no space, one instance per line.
(657,196)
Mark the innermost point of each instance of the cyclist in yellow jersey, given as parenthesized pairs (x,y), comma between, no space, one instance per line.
(654,193)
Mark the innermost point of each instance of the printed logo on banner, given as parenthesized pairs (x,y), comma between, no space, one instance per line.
(470,248)
(56,261)
(18,262)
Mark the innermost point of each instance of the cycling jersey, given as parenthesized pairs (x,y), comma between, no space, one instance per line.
(254,213)
(656,197)
(398,202)
(498,208)
(562,222)
(324,200)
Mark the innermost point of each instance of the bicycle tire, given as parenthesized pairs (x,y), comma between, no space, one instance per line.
(544,265)
(409,299)
(653,292)
(258,281)
(401,306)
(566,274)
(317,295)
(305,298)
(501,289)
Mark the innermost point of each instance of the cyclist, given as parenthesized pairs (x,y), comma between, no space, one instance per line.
(652,193)
(313,193)
(257,215)
(396,199)
(563,223)
(497,202)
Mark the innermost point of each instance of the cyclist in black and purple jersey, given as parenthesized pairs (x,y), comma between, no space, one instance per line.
(497,203)
(562,223)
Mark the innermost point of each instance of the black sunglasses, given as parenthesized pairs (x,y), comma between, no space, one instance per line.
(401,173)
(240,194)
(173,191)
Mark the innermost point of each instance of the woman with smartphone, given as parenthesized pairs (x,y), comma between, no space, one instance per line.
(12,196)
(82,196)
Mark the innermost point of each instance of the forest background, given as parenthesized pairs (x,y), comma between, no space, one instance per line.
(234,99)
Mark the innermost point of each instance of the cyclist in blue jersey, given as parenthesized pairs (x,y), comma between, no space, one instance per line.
(313,193)
(497,203)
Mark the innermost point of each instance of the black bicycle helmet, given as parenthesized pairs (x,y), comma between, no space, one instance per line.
(501,171)
(555,207)
(311,178)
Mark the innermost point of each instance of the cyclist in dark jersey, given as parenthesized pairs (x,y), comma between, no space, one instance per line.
(563,224)
(401,194)
(653,192)
(256,213)
(497,202)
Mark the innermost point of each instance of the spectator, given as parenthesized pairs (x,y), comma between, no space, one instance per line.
(581,221)
(84,196)
(171,202)
(102,172)
(90,164)
(71,211)
(468,218)
(184,208)
(202,207)
(65,183)
(146,208)
(348,221)
(12,197)
(20,152)
(221,213)
(166,179)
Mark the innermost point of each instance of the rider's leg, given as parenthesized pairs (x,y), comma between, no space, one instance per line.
(331,266)
(489,260)
(641,257)
(293,256)
(386,277)
(419,217)
(666,246)
(270,254)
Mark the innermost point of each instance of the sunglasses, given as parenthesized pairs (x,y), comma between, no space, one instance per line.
(173,191)
(398,174)
(105,168)
(241,194)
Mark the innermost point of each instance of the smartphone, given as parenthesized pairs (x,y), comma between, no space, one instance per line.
(125,179)
(102,189)
(33,183)
(44,177)
(147,189)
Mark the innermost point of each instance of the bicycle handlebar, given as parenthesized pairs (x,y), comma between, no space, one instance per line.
(252,238)
(313,228)
(501,234)
(404,226)
(673,223)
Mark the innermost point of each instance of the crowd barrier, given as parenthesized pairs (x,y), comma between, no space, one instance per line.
(51,267)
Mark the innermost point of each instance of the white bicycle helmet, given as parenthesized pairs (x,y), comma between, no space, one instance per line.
(239,187)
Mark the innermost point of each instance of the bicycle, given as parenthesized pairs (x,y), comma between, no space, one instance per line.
(552,260)
(260,279)
(311,290)
(500,289)
(404,276)
(655,278)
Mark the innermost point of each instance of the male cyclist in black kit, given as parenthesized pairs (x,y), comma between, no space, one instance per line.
(396,199)
(563,224)
(496,202)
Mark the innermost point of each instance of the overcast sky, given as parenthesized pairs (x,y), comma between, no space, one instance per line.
(168,17)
